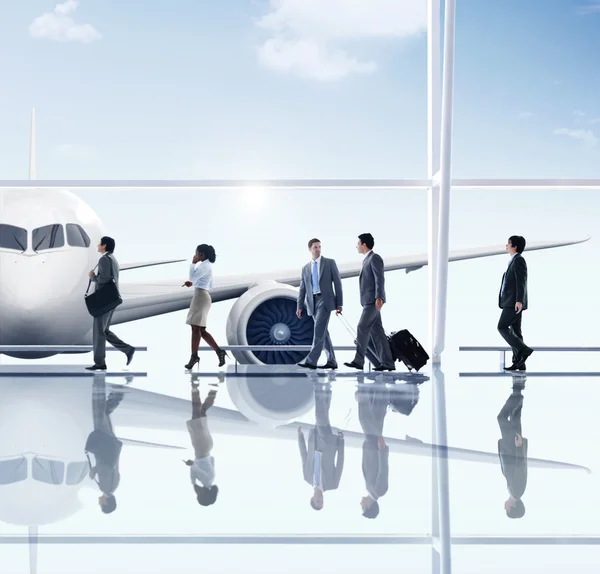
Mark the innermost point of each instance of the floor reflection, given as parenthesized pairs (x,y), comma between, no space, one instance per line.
(281,444)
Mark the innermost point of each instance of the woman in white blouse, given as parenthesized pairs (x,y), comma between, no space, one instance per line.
(202,468)
(201,280)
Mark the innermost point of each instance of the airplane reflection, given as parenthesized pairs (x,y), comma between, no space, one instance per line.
(46,421)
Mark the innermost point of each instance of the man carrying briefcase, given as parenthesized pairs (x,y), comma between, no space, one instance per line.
(108,273)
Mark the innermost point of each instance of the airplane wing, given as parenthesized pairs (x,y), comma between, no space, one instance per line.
(149,299)
(127,266)
(149,410)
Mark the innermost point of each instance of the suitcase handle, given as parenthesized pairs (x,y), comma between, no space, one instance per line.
(348,327)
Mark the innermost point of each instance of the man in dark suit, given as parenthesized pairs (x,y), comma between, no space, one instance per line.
(513,301)
(105,447)
(108,271)
(372,299)
(373,400)
(320,466)
(320,294)
(512,451)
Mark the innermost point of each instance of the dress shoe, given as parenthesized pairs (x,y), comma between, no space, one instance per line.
(328,365)
(96,368)
(523,356)
(129,355)
(354,365)
(306,366)
(384,368)
(516,367)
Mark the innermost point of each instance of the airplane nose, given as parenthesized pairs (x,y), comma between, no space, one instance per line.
(38,298)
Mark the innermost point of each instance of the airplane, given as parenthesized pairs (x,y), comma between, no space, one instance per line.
(48,244)
(44,471)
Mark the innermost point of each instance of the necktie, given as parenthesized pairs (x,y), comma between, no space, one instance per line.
(317,469)
(315,278)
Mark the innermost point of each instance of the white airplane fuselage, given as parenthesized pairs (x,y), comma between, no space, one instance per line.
(42,292)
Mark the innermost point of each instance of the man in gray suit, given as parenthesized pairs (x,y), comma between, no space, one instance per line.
(323,458)
(373,401)
(320,293)
(372,299)
(108,269)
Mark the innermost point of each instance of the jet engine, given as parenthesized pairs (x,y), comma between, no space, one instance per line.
(266,315)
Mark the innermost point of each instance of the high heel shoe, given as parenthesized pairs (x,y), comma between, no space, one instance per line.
(193,360)
(222,355)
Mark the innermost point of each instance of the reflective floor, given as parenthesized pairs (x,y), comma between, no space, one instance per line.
(389,496)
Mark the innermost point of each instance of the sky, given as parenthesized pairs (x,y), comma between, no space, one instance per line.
(294,88)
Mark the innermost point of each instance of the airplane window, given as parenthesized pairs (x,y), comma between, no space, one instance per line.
(77,471)
(76,236)
(13,470)
(48,471)
(12,237)
(48,237)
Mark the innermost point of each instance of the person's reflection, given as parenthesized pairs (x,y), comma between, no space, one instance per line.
(373,400)
(202,469)
(512,450)
(321,468)
(104,445)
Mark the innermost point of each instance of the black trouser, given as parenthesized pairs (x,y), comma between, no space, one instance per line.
(509,326)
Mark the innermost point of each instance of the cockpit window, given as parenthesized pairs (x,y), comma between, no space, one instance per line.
(76,236)
(48,237)
(77,471)
(12,237)
(48,471)
(13,470)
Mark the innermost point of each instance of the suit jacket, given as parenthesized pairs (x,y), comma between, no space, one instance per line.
(371,280)
(331,469)
(513,461)
(375,467)
(515,284)
(373,403)
(330,284)
(106,271)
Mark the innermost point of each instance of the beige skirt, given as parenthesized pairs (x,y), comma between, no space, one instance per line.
(199,308)
(201,438)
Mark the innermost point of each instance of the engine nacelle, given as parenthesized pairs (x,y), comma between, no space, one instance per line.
(270,401)
(266,315)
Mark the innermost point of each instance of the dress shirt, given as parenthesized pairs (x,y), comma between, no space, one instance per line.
(203,471)
(201,274)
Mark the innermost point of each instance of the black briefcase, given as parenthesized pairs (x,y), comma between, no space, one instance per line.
(407,349)
(103,300)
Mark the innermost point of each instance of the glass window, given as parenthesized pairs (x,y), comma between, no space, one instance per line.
(12,237)
(48,237)
(13,470)
(76,236)
(77,471)
(48,471)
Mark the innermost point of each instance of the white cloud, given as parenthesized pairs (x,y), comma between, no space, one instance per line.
(592,7)
(525,115)
(586,136)
(307,36)
(61,27)
(582,118)
(310,59)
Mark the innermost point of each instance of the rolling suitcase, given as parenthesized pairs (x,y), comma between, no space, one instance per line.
(407,349)
(403,345)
